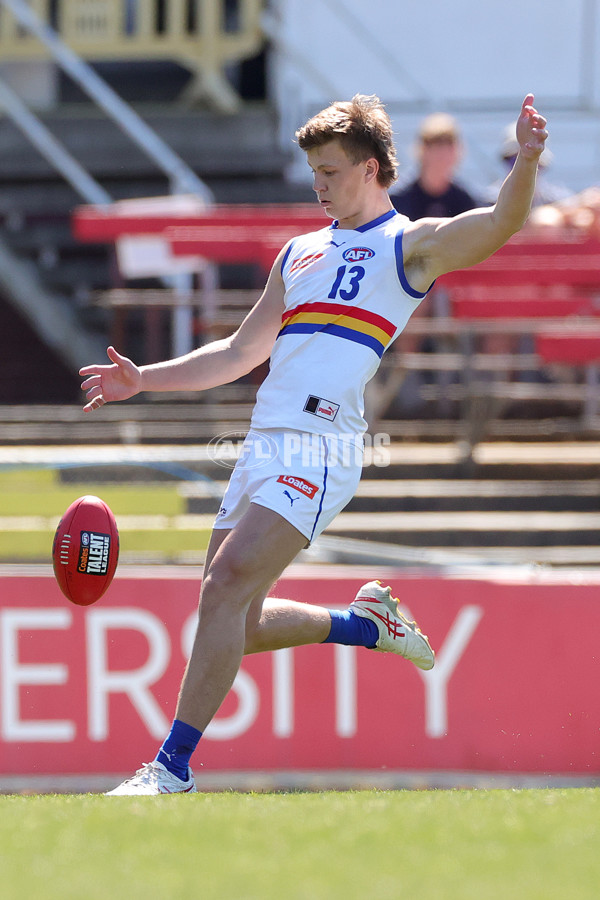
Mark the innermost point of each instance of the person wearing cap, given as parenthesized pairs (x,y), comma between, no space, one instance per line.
(434,192)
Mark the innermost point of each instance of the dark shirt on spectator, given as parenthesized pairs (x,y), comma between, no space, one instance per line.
(416,203)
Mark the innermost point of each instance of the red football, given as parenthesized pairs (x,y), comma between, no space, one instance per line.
(85,551)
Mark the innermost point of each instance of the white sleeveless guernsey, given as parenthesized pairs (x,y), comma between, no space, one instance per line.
(346,300)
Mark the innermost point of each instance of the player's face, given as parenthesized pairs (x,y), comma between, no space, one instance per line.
(341,186)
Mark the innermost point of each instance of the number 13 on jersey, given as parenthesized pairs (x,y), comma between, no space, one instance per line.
(347,282)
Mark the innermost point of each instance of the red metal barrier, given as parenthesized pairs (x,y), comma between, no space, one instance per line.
(564,348)
(222,234)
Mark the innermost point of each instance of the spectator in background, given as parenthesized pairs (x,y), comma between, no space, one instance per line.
(579,212)
(434,191)
(546,191)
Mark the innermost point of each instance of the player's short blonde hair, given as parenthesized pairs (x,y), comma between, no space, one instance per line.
(364,130)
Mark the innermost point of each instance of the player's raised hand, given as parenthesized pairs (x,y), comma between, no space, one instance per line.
(531,130)
(105,384)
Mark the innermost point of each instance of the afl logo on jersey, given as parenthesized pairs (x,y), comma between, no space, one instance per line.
(357,254)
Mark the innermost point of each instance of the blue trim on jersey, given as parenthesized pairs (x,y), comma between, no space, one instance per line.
(285,258)
(379,221)
(418,295)
(367,227)
(324,491)
(338,330)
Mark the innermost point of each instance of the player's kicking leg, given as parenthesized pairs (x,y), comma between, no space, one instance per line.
(372,620)
(236,619)
(242,566)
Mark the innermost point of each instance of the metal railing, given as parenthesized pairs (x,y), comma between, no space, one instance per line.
(45,40)
(202,35)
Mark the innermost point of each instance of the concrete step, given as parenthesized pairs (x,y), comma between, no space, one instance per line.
(122,423)
(463,529)
(339,550)
(379,495)
(512,460)
(229,146)
(462,495)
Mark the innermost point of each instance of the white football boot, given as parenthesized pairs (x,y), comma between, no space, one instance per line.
(396,633)
(153,778)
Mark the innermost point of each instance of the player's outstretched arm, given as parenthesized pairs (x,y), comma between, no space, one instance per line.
(219,362)
(433,247)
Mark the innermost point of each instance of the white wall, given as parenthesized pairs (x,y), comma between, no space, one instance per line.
(474,58)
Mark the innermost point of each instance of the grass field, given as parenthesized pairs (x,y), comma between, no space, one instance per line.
(468,845)
(33,500)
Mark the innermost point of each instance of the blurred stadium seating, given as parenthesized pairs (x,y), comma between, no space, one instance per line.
(483,377)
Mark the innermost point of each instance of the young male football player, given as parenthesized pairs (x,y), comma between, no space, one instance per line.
(334,301)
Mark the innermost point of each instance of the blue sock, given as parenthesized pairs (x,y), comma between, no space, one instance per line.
(178,747)
(349,628)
